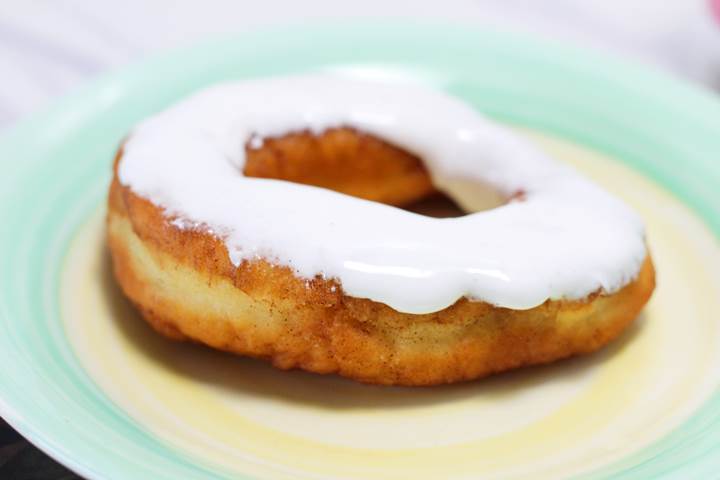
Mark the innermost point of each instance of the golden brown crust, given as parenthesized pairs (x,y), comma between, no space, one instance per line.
(186,287)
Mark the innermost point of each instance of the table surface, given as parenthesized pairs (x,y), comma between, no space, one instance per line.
(48,47)
(20,460)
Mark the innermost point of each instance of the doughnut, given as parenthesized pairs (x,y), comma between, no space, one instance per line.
(269,218)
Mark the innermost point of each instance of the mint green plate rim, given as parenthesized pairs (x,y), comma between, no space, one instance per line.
(54,170)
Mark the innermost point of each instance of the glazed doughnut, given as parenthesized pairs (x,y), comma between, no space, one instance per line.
(261,218)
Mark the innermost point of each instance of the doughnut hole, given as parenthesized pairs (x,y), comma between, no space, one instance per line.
(355,163)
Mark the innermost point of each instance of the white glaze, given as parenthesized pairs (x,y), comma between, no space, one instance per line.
(566,239)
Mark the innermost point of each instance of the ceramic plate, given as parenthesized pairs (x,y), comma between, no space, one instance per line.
(83,377)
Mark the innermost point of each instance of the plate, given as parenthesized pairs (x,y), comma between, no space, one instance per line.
(85,380)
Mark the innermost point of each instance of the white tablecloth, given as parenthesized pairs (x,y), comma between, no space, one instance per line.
(50,46)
